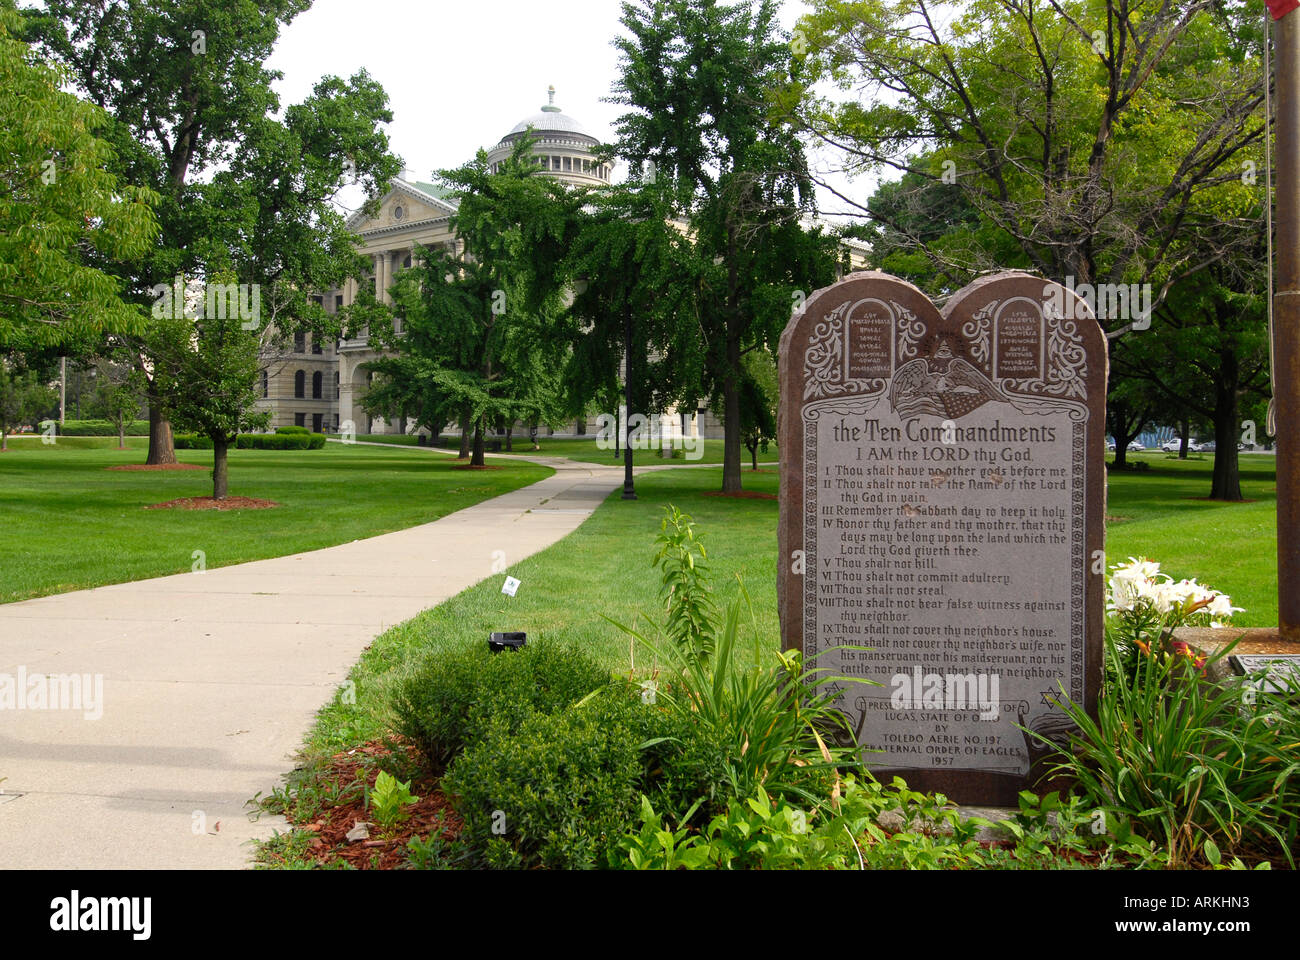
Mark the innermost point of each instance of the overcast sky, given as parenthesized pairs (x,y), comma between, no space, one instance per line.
(460,75)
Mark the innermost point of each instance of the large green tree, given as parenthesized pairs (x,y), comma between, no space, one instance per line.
(703,83)
(244,191)
(59,199)
(476,323)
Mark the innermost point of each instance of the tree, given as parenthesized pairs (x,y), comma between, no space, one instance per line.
(24,399)
(1095,135)
(476,322)
(758,400)
(216,368)
(630,262)
(119,393)
(703,82)
(59,199)
(195,118)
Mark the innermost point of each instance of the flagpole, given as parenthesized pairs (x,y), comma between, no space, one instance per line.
(1286,312)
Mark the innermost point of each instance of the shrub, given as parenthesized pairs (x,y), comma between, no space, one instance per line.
(291,430)
(280,441)
(442,704)
(191,441)
(556,790)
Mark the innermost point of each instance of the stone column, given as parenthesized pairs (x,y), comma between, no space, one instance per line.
(386,265)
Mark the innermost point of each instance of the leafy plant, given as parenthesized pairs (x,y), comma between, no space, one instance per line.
(388,800)
(691,612)
(1201,769)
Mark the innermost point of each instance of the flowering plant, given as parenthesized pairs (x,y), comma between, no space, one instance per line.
(1147,606)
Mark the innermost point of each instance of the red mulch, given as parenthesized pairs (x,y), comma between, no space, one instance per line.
(207,503)
(743,495)
(158,466)
(431,815)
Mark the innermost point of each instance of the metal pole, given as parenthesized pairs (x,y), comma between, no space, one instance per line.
(1286,312)
(629,492)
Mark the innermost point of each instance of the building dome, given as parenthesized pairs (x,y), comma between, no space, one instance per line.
(564,147)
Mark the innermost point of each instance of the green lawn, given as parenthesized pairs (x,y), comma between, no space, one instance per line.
(66,522)
(1230,546)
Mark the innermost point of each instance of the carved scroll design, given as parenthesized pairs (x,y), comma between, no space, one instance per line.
(978,331)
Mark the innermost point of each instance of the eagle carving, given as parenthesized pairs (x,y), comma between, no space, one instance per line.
(942,385)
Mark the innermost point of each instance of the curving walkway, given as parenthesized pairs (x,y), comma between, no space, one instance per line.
(210,681)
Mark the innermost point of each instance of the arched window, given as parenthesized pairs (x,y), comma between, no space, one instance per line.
(316,379)
(299,384)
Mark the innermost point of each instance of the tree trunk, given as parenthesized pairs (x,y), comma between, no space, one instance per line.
(1184,435)
(753,456)
(510,446)
(464,435)
(4,441)
(220,474)
(731,482)
(1226,484)
(161,447)
(478,459)
(121,434)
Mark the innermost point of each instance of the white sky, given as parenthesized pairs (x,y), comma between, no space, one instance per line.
(460,73)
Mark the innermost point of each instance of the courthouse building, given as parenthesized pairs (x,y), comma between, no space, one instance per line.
(320,385)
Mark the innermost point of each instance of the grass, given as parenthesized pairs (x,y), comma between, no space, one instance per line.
(69,523)
(586,450)
(1230,546)
(603,567)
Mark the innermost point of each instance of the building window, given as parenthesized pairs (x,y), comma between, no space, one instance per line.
(300,419)
(299,343)
(316,422)
(406,264)
(568,165)
(555,163)
(316,379)
(299,384)
(315,344)
(398,213)
(581,428)
(266,385)
(336,387)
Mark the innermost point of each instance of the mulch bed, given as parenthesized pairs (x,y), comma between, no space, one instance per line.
(743,495)
(158,466)
(207,503)
(383,851)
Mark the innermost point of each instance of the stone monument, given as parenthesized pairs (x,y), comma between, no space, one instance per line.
(943,493)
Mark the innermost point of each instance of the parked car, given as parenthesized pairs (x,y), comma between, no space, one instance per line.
(1209,446)
(1175,445)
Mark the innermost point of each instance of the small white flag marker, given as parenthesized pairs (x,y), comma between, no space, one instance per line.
(511,586)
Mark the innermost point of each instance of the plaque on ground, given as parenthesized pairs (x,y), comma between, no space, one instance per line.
(1279,672)
(943,503)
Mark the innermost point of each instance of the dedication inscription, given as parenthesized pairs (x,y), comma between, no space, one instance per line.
(942,502)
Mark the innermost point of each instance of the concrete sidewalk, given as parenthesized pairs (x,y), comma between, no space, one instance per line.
(211,681)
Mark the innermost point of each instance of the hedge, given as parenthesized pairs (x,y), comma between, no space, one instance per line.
(101,428)
(255,441)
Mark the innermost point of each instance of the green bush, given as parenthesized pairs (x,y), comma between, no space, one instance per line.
(291,430)
(554,790)
(191,441)
(442,704)
(101,428)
